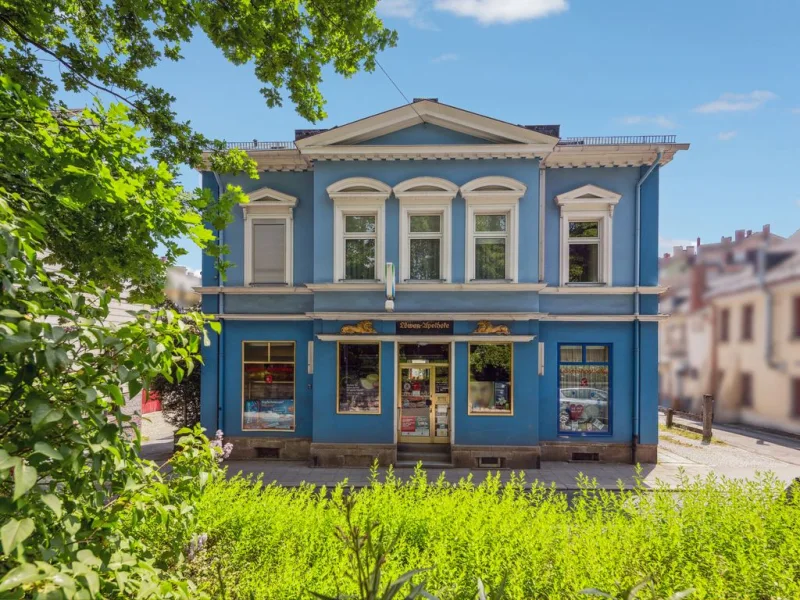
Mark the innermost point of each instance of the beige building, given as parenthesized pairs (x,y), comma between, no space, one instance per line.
(734,329)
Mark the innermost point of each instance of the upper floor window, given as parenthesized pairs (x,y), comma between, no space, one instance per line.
(425,216)
(268,237)
(585,240)
(724,324)
(358,228)
(747,323)
(492,228)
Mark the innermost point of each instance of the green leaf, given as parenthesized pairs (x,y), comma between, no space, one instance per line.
(24,480)
(25,573)
(14,532)
(15,343)
(53,503)
(47,450)
(43,415)
(7,461)
(10,313)
(116,395)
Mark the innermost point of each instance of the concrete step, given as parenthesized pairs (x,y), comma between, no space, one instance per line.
(429,448)
(410,464)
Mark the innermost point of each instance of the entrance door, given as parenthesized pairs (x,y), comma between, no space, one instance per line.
(424,411)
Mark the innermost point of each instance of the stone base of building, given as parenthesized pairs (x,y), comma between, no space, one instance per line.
(269,448)
(352,455)
(598,452)
(495,457)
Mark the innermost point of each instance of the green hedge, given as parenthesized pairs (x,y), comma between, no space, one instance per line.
(725,538)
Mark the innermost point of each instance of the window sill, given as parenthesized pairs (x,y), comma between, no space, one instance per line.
(475,286)
(346,286)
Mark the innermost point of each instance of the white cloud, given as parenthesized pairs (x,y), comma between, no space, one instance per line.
(729,102)
(658,121)
(726,136)
(490,12)
(796,111)
(446,57)
(411,10)
(668,244)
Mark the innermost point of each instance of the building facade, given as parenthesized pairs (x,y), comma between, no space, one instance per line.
(432,279)
(734,332)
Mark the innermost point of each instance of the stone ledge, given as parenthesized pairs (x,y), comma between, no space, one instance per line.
(352,455)
(511,457)
(607,452)
(288,448)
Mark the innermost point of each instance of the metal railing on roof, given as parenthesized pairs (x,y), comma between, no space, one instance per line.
(617,140)
(256,145)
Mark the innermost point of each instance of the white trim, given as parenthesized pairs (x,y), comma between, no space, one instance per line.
(476,286)
(427,152)
(432,339)
(269,204)
(426,111)
(493,195)
(426,196)
(603,290)
(345,286)
(261,317)
(358,196)
(588,203)
(431,316)
(600,318)
(254,289)
(611,155)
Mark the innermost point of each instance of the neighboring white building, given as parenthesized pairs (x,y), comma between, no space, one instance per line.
(181,282)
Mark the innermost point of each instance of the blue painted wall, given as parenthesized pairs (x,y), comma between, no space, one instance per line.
(648,421)
(424,133)
(648,268)
(620,337)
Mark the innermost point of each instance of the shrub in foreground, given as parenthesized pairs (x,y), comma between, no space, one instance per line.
(723,538)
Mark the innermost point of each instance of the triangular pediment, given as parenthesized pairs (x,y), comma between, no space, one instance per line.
(402,125)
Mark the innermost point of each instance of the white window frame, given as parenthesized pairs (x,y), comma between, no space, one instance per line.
(493,195)
(268,204)
(358,196)
(426,196)
(587,203)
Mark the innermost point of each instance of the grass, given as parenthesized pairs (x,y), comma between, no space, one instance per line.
(725,538)
(692,435)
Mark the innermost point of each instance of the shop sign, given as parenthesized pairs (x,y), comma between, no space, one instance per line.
(423,327)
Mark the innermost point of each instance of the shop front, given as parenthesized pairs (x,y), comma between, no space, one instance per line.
(424,406)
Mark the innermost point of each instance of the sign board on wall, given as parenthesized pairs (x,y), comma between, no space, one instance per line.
(423,327)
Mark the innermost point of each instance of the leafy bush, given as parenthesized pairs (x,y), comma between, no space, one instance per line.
(724,538)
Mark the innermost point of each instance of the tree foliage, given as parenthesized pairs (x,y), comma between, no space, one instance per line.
(107,47)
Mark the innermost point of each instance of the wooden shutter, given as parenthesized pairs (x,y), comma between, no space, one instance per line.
(269,251)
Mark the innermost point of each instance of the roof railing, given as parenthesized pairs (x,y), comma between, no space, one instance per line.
(617,140)
(256,145)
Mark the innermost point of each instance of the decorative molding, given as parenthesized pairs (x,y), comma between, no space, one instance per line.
(426,196)
(425,111)
(261,317)
(494,187)
(424,188)
(603,318)
(486,327)
(425,316)
(428,152)
(438,339)
(359,189)
(588,197)
(476,286)
(610,155)
(268,290)
(360,328)
(603,290)
(345,286)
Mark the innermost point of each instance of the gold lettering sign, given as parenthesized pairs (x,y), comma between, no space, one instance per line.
(423,327)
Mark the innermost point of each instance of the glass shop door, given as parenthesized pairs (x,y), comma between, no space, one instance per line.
(424,411)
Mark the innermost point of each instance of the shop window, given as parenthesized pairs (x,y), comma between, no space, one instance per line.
(268,237)
(268,386)
(747,323)
(359,381)
(490,372)
(724,324)
(747,389)
(584,389)
(585,242)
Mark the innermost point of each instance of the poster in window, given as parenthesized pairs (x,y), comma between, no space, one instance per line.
(359,378)
(268,397)
(584,395)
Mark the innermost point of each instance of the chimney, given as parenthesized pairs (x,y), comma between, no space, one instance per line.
(739,235)
(698,287)
(765,229)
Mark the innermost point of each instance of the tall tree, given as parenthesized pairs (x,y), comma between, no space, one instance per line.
(105,47)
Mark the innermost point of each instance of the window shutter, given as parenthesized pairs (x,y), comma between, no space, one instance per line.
(269,251)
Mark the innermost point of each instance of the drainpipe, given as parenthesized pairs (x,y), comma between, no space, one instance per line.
(542,172)
(636,324)
(768,308)
(221,340)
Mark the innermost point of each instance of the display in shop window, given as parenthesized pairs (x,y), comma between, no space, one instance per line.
(268,386)
(584,394)
(490,367)
(359,378)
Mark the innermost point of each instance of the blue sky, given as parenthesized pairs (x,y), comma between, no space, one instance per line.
(722,75)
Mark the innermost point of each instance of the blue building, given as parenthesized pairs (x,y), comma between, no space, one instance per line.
(430,282)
